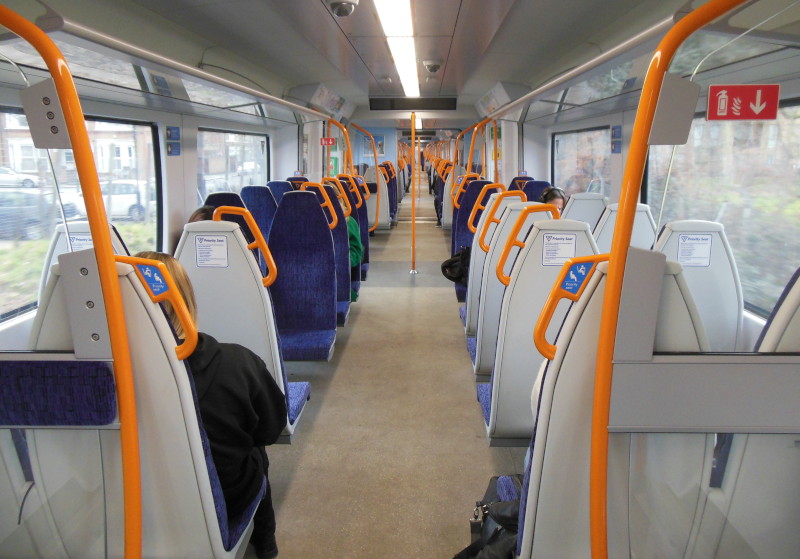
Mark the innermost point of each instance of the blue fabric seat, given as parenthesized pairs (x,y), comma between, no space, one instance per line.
(217,199)
(518,183)
(304,293)
(533,189)
(360,215)
(341,253)
(461,236)
(484,391)
(261,204)
(279,188)
(297,182)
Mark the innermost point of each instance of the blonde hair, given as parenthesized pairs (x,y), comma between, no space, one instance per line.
(182,282)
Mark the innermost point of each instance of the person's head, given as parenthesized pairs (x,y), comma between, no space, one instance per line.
(203,213)
(182,282)
(554,195)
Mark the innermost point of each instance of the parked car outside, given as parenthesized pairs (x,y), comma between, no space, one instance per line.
(125,198)
(9,177)
(25,214)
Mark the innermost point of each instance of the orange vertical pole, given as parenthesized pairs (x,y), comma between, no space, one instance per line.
(106,267)
(496,156)
(629,197)
(413,198)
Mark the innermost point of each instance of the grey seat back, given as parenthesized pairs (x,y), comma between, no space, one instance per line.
(585,206)
(642,236)
(709,268)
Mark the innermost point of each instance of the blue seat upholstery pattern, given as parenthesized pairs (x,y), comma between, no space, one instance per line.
(296,182)
(533,189)
(462,314)
(279,188)
(260,201)
(231,529)
(261,204)
(484,390)
(296,396)
(217,199)
(507,490)
(391,186)
(304,292)
(472,347)
(360,215)
(341,253)
(56,393)
(461,235)
(519,182)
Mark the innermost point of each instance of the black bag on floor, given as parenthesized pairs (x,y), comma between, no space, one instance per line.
(493,525)
(456,268)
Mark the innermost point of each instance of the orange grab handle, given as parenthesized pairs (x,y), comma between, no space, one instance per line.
(565,287)
(363,184)
(514,241)
(460,185)
(473,227)
(340,194)
(259,243)
(352,186)
(629,196)
(327,203)
(106,267)
(143,267)
(479,206)
(490,218)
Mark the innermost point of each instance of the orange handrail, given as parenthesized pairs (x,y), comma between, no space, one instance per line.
(352,186)
(559,292)
(363,184)
(348,154)
(629,197)
(496,155)
(259,243)
(459,186)
(490,218)
(512,240)
(326,203)
(173,295)
(458,139)
(106,267)
(479,126)
(375,156)
(341,194)
(480,207)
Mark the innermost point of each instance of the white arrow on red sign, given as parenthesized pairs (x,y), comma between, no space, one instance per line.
(743,102)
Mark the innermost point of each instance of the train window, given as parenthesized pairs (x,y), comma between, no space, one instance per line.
(38,190)
(228,161)
(582,160)
(756,167)
(83,63)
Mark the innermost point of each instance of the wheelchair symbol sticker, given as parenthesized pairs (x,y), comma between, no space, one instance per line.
(153,278)
(575,278)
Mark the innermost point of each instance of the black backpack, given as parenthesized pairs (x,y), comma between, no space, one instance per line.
(456,268)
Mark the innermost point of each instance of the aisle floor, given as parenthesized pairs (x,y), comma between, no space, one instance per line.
(391,451)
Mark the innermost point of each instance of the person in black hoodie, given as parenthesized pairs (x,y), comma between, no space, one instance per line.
(242,409)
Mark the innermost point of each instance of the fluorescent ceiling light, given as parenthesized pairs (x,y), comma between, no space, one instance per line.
(405,60)
(395,16)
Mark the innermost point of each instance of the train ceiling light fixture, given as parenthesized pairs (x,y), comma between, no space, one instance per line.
(395,18)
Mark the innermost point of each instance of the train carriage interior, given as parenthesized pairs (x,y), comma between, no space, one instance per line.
(557,243)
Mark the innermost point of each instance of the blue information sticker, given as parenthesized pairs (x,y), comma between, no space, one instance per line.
(173,133)
(575,277)
(152,275)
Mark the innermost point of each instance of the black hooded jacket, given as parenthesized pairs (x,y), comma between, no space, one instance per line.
(243,409)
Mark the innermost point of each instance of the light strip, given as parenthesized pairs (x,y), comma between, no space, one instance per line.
(405,60)
(395,16)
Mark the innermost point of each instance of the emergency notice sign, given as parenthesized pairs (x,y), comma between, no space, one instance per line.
(743,102)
